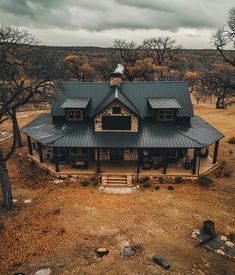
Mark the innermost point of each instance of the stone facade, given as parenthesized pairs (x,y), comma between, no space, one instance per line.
(128,154)
(108,112)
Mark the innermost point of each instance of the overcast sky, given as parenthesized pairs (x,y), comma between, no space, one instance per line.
(99,22)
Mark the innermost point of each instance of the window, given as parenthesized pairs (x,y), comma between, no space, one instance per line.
(75,115)
(116,110)
(116,123)
(165,115)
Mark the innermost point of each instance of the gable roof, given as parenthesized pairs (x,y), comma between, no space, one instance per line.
(80,103)
(116,94)
(136,92)
(164,103)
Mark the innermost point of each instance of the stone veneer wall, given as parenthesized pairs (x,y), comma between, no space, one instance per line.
(108,112)
(128,154)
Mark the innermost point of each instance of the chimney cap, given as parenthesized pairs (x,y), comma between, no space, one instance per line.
(118,71)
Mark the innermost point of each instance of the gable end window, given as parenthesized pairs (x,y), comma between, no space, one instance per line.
(165,115)
(75,115)
(116,110)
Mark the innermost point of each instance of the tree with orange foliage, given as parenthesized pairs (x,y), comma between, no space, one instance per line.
(79,67)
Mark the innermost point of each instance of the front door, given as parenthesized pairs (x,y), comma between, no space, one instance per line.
(116,154)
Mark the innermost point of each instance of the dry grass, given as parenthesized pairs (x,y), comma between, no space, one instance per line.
(66,223)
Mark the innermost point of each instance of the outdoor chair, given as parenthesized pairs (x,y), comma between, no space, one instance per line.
(188,162)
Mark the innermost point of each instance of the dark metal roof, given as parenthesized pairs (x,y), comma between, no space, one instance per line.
(136,92)
(164,103)
(116,94)
(43,130)
(80,103)
(151,135)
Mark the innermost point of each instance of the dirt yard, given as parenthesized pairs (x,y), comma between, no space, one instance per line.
(65,223)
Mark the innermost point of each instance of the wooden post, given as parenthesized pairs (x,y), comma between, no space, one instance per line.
(30,148)
(98,161)
(40,152)
(138,164)
(57,164)
(165,162)
(216,151)
(194,166)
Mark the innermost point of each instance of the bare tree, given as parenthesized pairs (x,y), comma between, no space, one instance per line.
(128,53)
(224,38)
(24,73)
(164,52)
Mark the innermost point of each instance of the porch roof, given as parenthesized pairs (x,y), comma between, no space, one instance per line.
(151,135)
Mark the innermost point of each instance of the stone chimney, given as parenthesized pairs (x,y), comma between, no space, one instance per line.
(116,76)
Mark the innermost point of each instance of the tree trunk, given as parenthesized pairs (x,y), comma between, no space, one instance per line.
(16,130)
(5,183)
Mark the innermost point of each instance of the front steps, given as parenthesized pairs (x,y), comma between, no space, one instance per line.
(117,184)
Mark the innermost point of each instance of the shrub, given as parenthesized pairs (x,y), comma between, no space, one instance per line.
(94,183)
(161,180)
(178,179)
(157,187)
(146,184)
(84,183)
(144,179)
(231,140)
(170,187)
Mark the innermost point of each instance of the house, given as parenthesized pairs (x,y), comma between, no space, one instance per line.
(127,128)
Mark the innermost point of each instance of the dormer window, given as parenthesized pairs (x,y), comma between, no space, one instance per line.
(116,110)
(165,115)
(75,115)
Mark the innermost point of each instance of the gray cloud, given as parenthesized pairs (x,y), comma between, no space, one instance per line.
(103,15)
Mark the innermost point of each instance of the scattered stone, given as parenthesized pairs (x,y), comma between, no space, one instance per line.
(28,201)
(102,251)
(230,244)
(219,251)
(58,181)
(128,251)
(163,263)
(223,238)
(15,200)
(43,271)
(19,273)
(195,233)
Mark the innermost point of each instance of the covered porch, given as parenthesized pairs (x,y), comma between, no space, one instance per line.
(137,162)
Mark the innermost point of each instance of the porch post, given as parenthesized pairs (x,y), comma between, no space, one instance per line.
(40,152)
(57,165)
(98,160)
(165,162)
(30,148)
(138,164)
(216,152)
(194,166)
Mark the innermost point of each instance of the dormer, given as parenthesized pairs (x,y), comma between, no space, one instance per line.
(75,109)
(164,110)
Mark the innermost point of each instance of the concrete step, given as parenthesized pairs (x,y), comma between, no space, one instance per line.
(116,185)
(117,180)
(116,177)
